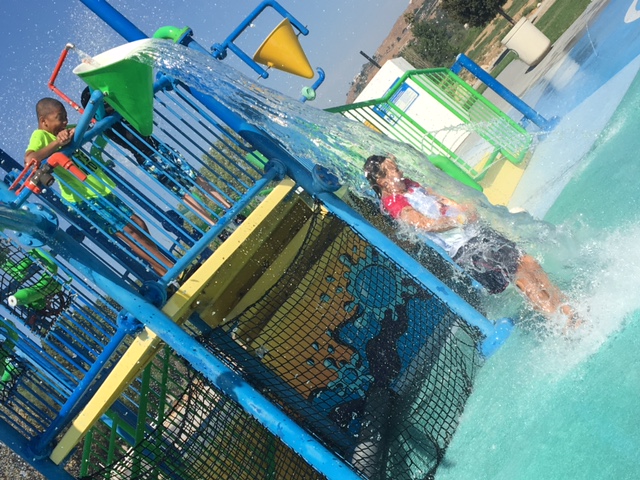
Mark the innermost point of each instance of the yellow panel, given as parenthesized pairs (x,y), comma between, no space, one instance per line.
(272,274)
(235,272)
(236,243)
(501,181)
(137,356)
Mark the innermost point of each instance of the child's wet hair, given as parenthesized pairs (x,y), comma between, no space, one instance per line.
(48,105)
(373,172)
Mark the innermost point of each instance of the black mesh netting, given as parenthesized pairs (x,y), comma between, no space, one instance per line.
(207,435)
(351,347)
(30,288)
(359,353)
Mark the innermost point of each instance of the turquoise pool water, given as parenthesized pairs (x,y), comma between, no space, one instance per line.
(548,407)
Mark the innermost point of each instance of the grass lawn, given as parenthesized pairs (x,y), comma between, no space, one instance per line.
(560,16)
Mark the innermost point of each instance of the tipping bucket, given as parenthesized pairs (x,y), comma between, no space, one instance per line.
(282,50)
(126,82)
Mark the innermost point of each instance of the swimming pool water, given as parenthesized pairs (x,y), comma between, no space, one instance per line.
(554,407)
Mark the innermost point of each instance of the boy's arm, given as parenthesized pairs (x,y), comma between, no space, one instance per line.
(63,138)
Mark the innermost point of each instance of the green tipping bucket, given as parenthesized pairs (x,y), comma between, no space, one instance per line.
(126,82)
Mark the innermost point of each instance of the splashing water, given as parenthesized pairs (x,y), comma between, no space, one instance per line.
(315,136)
(311,135)
(85,57)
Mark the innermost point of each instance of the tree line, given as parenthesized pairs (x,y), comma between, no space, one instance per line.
(449,30)
(442,29)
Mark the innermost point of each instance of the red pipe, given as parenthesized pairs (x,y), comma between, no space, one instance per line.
(59,159)
(54,75)
(26,168)
(43,176)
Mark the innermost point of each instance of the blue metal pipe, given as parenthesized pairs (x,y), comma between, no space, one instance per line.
(230,383)
(41,444)
(80,257)
(85,120)
(462,61)
(316,84)
(63,380)
(115,20)
(275,153)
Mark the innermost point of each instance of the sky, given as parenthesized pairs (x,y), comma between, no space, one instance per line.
(34,33)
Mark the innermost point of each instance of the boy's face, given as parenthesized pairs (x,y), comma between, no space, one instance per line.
(55,121)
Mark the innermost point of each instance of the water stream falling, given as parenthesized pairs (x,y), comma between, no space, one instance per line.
(315,136)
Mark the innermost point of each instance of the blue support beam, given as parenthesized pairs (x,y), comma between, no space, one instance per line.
(462,61)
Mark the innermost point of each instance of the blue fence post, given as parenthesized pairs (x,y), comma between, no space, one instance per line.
(462,61)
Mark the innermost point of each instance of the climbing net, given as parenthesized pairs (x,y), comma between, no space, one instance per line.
(351,347)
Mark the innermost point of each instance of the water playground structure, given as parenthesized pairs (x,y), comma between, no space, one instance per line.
(291,335)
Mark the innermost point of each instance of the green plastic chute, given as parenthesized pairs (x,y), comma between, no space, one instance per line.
(126,80)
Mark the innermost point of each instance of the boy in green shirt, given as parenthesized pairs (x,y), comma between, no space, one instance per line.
(94,196)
